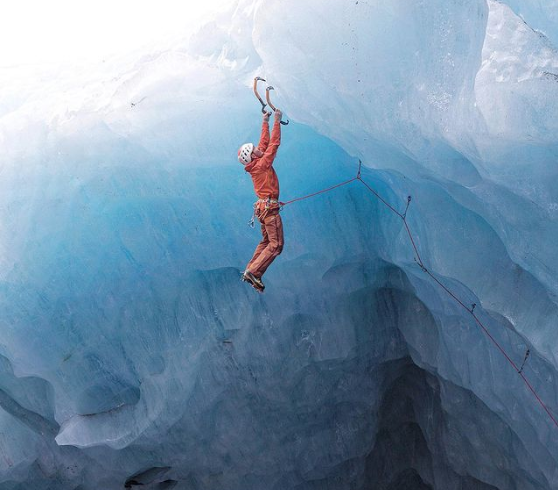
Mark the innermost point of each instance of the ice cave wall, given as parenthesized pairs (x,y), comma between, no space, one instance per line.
(122,225)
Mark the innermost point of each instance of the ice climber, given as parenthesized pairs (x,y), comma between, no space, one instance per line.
(258,162)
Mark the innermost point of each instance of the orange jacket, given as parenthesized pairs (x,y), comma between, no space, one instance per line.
(266,183)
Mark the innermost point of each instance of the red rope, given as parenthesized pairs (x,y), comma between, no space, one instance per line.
(380,198)
(437,281)
(419,259)
(497,344)
(319,192)
(470,311)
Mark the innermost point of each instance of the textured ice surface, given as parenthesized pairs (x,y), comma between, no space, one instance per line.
(132,354)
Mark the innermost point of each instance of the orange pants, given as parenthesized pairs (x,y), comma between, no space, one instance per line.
(270,246)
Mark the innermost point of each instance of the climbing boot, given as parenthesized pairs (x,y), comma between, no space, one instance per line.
(254,281)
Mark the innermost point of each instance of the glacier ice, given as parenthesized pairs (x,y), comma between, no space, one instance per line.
(131,354)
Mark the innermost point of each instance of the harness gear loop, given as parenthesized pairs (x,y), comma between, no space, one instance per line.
(255,87)
(269,103)
(269,201)
(253,218)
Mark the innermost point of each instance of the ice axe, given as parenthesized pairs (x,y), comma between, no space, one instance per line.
(269,103)
(256,80)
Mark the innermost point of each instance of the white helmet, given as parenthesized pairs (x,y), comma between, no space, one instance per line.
(245,153)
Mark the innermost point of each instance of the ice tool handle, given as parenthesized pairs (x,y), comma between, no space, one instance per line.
(270,104)
(256,80)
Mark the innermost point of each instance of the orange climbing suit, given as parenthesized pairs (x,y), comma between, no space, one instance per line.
(266,208)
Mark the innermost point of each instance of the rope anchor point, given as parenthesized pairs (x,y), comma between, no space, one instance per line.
(420,264)
(404,215)
(527,353)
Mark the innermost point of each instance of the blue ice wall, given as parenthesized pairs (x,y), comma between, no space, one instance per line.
(131,353)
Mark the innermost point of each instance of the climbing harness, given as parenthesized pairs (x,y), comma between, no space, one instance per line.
(267,208)
(269,103)
(420,263)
